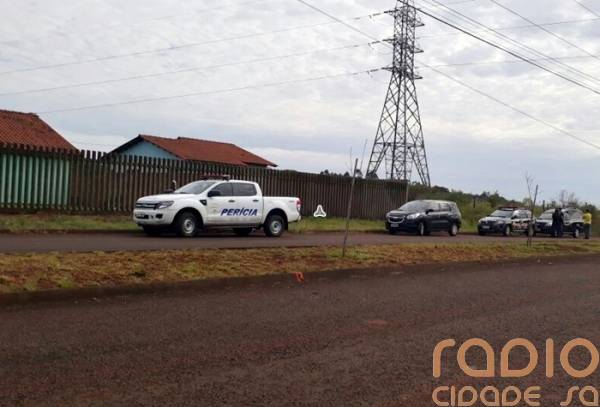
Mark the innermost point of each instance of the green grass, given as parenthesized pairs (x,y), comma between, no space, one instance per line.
(311,225)
(41,223)
(52,222)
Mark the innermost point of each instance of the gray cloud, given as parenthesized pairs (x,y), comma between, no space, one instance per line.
(473,143)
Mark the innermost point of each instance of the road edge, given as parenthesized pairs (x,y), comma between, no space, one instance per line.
(203,286)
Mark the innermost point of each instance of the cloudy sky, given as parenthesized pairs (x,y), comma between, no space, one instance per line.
(79,64)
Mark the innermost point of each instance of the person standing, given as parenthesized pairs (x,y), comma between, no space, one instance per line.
(587,224)
(561,223)
(557,223)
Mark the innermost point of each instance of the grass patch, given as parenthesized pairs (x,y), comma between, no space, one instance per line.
(33,272)
(40,223)
(53,222)
(311,225)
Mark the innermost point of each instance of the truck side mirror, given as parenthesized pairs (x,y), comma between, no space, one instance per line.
(213,194)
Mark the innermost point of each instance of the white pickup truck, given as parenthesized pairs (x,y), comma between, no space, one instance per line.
(216,204)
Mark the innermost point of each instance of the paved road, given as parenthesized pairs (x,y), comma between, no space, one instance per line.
(356,341)
(138,241)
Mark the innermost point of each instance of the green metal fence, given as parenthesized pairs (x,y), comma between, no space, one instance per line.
(30,179)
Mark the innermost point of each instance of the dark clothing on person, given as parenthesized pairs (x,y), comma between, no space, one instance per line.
(558,222)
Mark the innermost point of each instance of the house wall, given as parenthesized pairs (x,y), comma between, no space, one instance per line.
(145,149)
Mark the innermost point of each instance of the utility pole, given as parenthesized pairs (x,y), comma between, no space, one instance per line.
(349,212)
(399,143)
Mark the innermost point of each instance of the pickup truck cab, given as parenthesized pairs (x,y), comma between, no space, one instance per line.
(216,204)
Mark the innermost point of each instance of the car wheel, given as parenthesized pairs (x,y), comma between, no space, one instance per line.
(274,226)
(453,230)
(421,229)
(152,231)
(507,231)
(186,225)
(243,231)
(576,233)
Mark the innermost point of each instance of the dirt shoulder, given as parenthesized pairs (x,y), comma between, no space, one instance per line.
(54,271)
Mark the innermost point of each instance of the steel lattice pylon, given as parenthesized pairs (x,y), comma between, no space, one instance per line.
(399,141)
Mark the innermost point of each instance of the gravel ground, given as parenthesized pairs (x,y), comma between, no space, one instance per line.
(355,341)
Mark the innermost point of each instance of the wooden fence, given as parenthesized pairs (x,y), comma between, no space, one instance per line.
(93,182)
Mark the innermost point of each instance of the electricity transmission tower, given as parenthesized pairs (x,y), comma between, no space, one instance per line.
(399,143)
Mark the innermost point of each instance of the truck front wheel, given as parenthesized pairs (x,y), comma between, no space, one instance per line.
(274,226)
(187,225)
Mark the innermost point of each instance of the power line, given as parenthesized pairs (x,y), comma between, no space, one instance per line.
(509,106)
(508,61)
(338,20)
(587,8)
(162,18)
(177,47)
(212,92)
(487,95)
(252,61)
(187,70)
(544,29)
(513,41)
(515,27)
(514,54)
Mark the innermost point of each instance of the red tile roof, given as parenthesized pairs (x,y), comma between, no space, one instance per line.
(30,130)
(204,150)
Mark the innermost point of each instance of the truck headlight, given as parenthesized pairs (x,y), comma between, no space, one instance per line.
(164,205)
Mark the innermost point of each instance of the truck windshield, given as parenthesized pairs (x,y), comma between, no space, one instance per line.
(547,215)
(195,188)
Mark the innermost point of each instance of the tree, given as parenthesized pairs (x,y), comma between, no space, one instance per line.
(494,199)
(568,199)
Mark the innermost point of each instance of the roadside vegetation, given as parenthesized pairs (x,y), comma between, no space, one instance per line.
(34,272)
(315,225)
(40,223)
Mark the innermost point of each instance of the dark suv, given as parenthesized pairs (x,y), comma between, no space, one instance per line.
(424,217)
(506,221)
(573,222)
